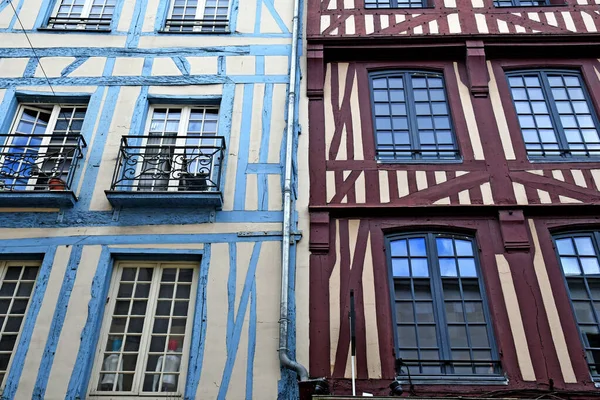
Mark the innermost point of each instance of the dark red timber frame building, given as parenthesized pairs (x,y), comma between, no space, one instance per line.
(455,175)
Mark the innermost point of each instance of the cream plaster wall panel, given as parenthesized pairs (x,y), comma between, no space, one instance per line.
(369,24)
(520,193)
(568,21)
(39,336)
(357,139)
(94,66)
(538,172)
(342,75)
(150,15)
(45,90)
(350,25)
(445,200)
(191,90)
(325,21)
(125,21)
(463,197)
(278,123)
(334,299)
(222,227)
(241,65)
(544,197)
(477,3)
(578,178)
(238,372)
(215,354)
(551,19)
(174,246)
(558,175)
(433,27)
(486,193)
(596,176)
(453,23)
(469,112)
(256,123)
(384,21)
(568,200)
(6,16)
(588,20)
(440,177)
(164,66)
(83,163)
(368,287)
(450,3)
(267,22)
(502,26)
(330,185)
(128,66)
(421,177)
(28,14)
(150,42)
(119,126)
(329,122)
(384,187)
(275,200)
(556,330)
(514,319)
(276,65)
(75,319)
(402,178)
(246,16)
(360,189)
(203,65)
(266,361)
(13,67)
(501,122)
(251,192)
(243,256)
(10,40)
(233,147)
(285,9)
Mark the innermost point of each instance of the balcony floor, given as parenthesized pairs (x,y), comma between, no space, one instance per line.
(139,199)
(38,198)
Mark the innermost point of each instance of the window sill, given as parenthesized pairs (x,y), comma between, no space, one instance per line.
(563,160)
(530,7)
(145,396)
(454,380)
(79,30)
(38,198)
(142,199)
(400,8)
(162,31)
(449,161)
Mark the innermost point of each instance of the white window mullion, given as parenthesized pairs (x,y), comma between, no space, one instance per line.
(177,167)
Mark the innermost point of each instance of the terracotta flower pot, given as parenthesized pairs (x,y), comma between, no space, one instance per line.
(56,184)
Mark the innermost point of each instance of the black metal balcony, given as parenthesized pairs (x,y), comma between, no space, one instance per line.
(196,26)
(173,171)
(101,24)
(38,170)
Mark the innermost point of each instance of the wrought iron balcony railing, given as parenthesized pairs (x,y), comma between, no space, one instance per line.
(101,24)
(450,367)
(39,162)
(196,25)
(169,164)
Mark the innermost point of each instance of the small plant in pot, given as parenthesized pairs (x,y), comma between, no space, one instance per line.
(56,183)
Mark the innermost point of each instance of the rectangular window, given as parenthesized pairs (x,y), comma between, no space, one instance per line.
(93,15)
(180,152)
(443,326)
(43,147)
(208,16)
(578,255)
(520,3)
(395,3)
(411,117)
(555,114)
(145,338)
(18,282)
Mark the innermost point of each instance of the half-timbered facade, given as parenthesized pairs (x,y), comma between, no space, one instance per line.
(143,149)
(455,182)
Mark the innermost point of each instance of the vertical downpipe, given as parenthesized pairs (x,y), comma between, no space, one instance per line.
(284,357)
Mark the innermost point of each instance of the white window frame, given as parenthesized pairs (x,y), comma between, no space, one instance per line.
(200,15)
(50,127)
(4,265)
(85,12)
(180,142)
(146,335)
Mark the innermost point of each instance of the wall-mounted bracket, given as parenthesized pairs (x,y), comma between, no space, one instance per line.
(316,72)
(477,68)
(319,232)
(514,230)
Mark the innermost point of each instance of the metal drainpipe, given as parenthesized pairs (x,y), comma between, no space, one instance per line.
(284,357)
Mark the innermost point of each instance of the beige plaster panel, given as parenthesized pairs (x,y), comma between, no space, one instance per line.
(151,42)
(278,123)
(18,40)
(233,147)
(203,65)
(45,90)
(469,113)
(246,13)
(275,201)
(128,66)
(92,67)
(164,66)
(251,192)
(179,246)
(150,15)
(42,324)
(75,319)
(191,90)
(125,20)
(267,22)
(371,333)
(52,66)
(509,152)
(256,122)
(119,126)
(285,9)
(222,227)
(241,65)
(28,13)
(13,67)
(6,16)
(276,65)
(335,283)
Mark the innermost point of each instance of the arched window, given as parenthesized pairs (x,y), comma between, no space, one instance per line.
(411,117)
(442,321)
(578,255)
